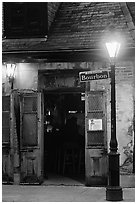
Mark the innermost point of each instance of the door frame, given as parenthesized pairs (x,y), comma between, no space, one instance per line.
(65,91)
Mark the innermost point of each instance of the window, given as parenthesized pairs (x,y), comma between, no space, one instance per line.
(25,20)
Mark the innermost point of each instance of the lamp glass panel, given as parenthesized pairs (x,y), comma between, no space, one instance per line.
(11,70)
(113,48)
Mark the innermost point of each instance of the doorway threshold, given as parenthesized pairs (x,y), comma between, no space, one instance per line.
(59,180)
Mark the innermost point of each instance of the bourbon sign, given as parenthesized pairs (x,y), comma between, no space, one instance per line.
(91,75)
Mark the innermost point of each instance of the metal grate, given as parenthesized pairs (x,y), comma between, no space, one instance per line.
(95,111)
(5,119)
(95,102)
(95,138)
(95,114)
(29,129)
(5,135)
(30,104)
(6,103)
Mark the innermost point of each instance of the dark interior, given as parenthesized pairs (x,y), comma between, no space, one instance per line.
(64,135)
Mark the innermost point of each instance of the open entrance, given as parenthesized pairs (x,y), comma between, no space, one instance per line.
(64,134)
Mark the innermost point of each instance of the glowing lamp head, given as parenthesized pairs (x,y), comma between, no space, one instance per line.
(113,48)
(10,71)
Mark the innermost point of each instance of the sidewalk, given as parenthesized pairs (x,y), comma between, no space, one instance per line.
(19,193)
(65,189)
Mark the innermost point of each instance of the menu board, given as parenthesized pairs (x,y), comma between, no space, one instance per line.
(95,124)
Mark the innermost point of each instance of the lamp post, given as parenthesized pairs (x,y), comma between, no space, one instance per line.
(10,72)
(113,190)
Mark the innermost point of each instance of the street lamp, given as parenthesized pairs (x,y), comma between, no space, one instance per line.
(113,190)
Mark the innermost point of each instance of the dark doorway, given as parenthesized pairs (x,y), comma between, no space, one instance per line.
(64,134)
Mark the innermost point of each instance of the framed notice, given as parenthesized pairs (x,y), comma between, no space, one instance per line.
(95,124)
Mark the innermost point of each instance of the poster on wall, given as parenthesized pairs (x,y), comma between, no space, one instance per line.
(95,124)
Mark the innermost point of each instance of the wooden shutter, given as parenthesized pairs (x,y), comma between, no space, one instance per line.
(7,139)
(96,138)
(96,114)
(31,138)
(6,119)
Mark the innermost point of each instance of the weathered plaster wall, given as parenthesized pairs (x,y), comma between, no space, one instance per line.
(124,109)
(124,117)
(124,100)
(27,78)
(5,84)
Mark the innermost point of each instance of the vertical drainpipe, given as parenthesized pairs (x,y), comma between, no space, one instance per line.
(134,118)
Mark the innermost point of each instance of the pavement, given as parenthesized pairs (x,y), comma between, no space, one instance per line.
(61,193)
(65,189)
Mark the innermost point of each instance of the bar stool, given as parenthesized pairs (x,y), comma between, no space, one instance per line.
(70,157)
(81,162)
(58,154)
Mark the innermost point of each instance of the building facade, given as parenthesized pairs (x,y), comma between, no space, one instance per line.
(45,98)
